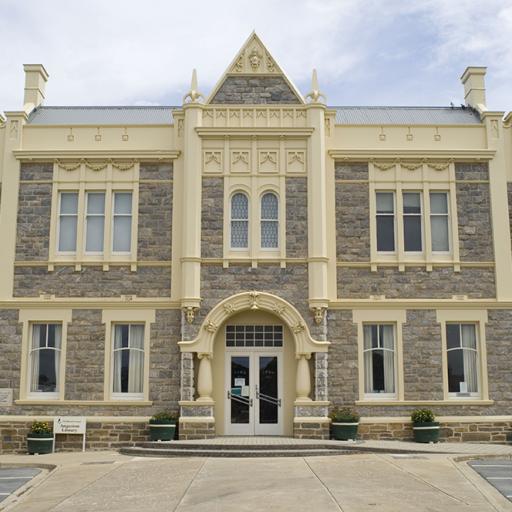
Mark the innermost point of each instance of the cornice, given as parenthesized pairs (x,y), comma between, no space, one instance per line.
(397,154)
(129,302)
(420,304)
(52,154)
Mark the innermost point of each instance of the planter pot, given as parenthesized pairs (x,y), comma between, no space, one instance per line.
(39,443)
(427,432)
(162,431)
(344,431)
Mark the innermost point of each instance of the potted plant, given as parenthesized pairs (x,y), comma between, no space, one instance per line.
(344,423)
(425,428)
(162,426)
(40,438)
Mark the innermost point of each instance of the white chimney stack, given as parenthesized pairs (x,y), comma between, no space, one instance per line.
(35,81)
(473,80)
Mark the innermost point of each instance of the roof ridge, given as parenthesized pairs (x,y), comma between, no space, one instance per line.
(105,107)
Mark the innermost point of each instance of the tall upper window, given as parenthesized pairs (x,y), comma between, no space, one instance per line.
(439,221)
(45,352)
(128,359)
(122,222)
(385,221)
(379,359)
(412,222)
(462,348)
(269,221)
(68,215)
(239,221)
(95,221)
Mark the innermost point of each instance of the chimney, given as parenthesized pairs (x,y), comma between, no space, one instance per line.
(35,82)
(473,80)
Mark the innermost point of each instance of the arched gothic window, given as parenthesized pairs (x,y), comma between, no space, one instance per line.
(239,221)
(269,221)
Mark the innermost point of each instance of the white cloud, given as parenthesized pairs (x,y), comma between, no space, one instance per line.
(366,51)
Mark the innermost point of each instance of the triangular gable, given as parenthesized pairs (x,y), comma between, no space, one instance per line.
(254,77)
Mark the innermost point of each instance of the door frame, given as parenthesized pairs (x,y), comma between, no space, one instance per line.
(253,428)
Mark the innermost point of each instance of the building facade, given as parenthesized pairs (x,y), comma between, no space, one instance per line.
(252,259)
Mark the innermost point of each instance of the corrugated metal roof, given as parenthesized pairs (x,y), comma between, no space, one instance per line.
(406,115)
(101,115)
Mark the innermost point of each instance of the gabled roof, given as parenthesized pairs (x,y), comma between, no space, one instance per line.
(255,60)
(405,115)
(101,115)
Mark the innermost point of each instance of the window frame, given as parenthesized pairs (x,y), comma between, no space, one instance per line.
(85,221)
(413,215)
(395,238)
(448,221)
(112,222)
(120,395)
(276,221)
(247,221)
(111,318)
(60,215)
(382,396)
(479,319)
(29,317)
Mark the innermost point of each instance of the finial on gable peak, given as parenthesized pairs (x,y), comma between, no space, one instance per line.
(315,94)
(193,96)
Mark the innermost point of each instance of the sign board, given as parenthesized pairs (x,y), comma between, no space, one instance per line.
(5,397)
(69,425)
(239,382)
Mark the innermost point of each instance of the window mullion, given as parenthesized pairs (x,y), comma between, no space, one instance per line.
(399,234)
(427,228)
(107,223)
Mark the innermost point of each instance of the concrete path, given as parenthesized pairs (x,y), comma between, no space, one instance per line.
(101,481)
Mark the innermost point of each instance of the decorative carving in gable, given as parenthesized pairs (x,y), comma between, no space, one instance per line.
(295,161)
(240,161)
(268,161)
(212,161)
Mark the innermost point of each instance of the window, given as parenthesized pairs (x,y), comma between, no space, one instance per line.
(412,221)
(122,222)
(239,221)
(68,215)
(45,352)
(379,359)
(462,351)
(95,221)
(128,360)
(254,336)
(439,221)
(385,221)
(269,221)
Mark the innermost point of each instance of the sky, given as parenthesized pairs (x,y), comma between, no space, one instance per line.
(366,52)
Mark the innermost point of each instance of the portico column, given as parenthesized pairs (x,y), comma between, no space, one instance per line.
(303,380)
(204,378)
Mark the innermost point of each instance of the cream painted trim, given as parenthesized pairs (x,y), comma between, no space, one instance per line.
(89,263)
(196,419)
(456,154)
(478,317)
(122,403)
(381,263)
(378,316)
(128,302)
(93,419)
(441,419)
(304,343)
(113,316)
(27,317)
(243,132)
(447,402)
(311,403)
(52,154)
(311,419)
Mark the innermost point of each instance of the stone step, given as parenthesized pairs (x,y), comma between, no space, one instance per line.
(240,452)
(177,445)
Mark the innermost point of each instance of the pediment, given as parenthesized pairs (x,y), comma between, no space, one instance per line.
(254,76)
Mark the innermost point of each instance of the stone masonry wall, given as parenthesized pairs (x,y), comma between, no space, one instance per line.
(296,218)
(34,212)
(474,213)
(155,212)
(212,218)
(85,365)
(255,90)
(416,282)
(352,213)
(92,281)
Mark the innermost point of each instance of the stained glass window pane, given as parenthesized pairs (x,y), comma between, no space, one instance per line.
(269,208)
(239,236)
(239,207)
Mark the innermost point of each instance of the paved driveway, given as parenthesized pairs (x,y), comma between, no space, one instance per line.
(498,472)
(347,483)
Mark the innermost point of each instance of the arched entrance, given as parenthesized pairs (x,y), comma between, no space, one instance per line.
(247,341)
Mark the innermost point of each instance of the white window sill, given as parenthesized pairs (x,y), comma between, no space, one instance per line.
(449,401)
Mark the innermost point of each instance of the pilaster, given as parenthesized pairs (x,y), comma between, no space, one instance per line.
(9,204)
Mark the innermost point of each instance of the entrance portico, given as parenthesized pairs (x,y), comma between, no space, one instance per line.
(248,372)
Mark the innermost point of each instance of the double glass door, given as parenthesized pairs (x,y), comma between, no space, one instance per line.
(253,394)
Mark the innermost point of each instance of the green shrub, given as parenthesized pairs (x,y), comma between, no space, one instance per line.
(422,416)
(164,417)
(41,427)
(344,415)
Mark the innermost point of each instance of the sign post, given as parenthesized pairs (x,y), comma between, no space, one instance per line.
(69,425)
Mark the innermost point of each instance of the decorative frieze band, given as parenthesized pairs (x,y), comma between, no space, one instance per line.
(95,166)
